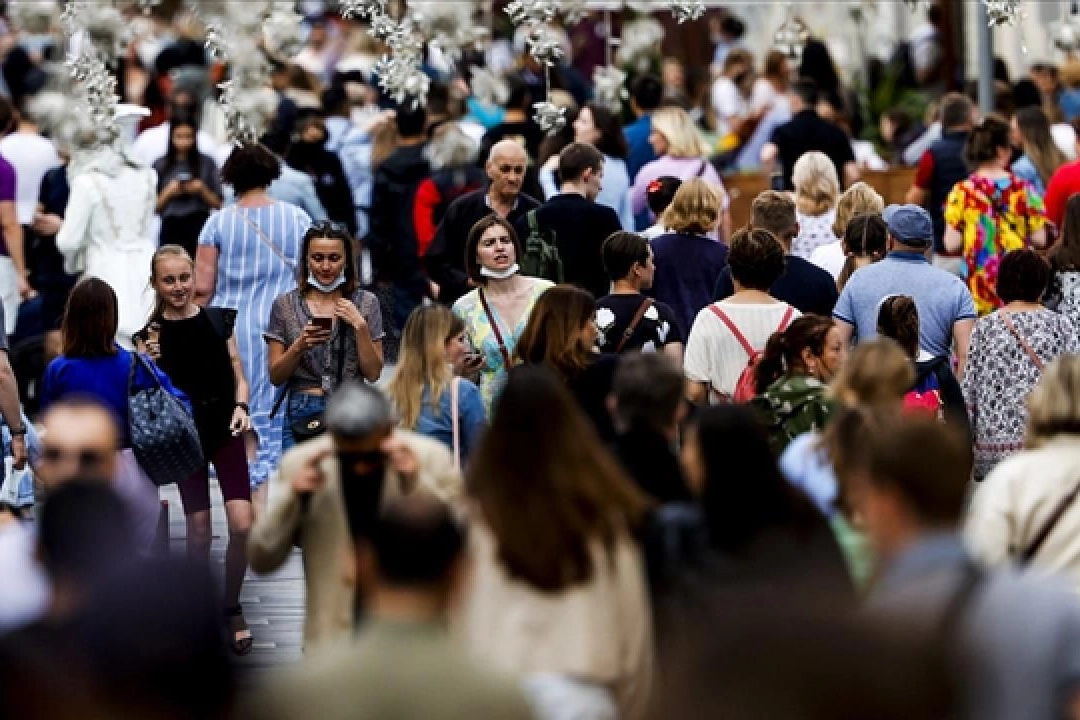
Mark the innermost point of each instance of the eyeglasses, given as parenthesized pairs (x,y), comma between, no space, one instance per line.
(84,458)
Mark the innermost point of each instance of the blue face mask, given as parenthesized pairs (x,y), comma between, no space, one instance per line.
(314,282)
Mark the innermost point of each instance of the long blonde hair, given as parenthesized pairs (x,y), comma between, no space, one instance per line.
(677,127)
(165,251)
(422,361)
(817,186)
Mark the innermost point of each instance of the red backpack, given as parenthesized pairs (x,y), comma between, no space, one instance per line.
(746,385)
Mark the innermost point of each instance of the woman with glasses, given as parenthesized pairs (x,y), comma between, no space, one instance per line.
(324,332)
(247,257)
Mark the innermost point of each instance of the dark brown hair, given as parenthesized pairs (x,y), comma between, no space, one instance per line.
(866,235)
(90,320)
(250,166)
(621,251)
(1023,275)
(553,334)
(756,258)
(985,140)
(330,231)
(472,265)
(546,486)
(1066,256)
(783,352)
(898,318)
(956,109)
(612,140)
(576,158)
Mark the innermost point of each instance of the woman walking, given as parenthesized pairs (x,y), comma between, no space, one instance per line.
(195,346)
(247,257)
(188,187)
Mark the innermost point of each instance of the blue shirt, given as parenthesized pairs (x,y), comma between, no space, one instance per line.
(941,298)
(471,418)
(104,379)
(641,150)
(1026,170)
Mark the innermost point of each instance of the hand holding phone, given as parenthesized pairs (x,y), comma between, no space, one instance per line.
(316,332)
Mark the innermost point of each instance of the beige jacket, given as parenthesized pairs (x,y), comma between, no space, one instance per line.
(600,632)
(322,529)
(1014,502)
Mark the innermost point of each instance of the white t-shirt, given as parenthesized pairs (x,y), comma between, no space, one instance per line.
(713,354)
(727,103)
(830,258)
(32,156)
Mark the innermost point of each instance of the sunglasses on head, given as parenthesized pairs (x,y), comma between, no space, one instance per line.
(325,228)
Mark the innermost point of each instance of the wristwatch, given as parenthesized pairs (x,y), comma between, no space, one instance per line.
(243,406)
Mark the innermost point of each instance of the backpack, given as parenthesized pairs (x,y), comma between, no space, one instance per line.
(926,398)
(746,385)
(541,258)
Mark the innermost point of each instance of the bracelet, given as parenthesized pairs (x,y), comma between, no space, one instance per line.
(15,432)
(243,406)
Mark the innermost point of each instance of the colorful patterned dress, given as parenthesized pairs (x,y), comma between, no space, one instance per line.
(995,216)
(479,334)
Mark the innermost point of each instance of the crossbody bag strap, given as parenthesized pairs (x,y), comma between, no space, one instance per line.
(454,423)
(733,328)
(495,328)
(644,308)
(1051,522)
(266,239)
(340,373)
(1039,364)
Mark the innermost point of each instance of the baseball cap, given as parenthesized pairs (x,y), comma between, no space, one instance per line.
(910,224)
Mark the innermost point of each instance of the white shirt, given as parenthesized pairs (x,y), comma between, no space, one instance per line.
(829,257)
(763,94)
(714,356)
(32,156)
(727,103)
(153,143)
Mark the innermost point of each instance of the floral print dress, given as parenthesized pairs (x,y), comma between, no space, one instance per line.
(995,216)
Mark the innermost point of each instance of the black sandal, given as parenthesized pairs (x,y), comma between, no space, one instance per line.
(241,642)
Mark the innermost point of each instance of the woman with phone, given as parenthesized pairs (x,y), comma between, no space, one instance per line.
(196,348)
(188,187)
(324,332)
(429,397)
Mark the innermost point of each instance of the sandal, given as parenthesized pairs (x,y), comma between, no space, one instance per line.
(241,642)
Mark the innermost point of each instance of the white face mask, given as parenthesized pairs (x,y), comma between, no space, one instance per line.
(314,282)
(500,274)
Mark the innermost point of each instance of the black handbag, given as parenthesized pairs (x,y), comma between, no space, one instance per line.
(162,432)
(313,427)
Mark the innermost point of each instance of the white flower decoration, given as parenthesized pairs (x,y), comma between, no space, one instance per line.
(605,318)
(651,313)
(649,347)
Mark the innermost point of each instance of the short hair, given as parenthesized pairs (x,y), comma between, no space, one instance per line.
(985,140)
(774,211)
(250,166)
(621,251)
(91,319)
(775,63)
(648,390)
(660,192)
(357,410)
(410,119)
(695,209)
(472,242)
(416,541)
(647,91)
(576,158)
(1054,404)
(756,258)
(931,482)
(806,90)
(1023,275)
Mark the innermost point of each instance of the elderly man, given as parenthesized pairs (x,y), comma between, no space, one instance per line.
(330,489)
(445,259)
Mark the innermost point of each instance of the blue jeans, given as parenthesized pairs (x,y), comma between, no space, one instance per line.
(301,406)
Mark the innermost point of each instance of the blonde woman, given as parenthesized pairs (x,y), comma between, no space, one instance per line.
(1023,495)
(429,398)
(817,190)
(682,153)
(687,260)
(858,199)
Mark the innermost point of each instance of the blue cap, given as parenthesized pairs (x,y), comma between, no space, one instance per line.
(910,224)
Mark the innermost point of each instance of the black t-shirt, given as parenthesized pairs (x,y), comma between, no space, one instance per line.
(657,327)
(803,285)
(591,388)
(807,131)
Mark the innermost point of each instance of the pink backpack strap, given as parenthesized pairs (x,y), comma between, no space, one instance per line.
(734,330)
(786,320)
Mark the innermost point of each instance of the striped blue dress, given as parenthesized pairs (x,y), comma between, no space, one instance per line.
(250,275)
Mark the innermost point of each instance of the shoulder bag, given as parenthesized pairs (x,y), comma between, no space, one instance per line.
(1051,522)
(495,329)
(454,423)
(629,332)
(267,241)
(162,432)
(308,428)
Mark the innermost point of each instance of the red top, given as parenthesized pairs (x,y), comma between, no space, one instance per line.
(1063,184)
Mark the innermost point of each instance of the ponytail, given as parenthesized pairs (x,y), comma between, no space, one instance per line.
(770,367)
(783,352)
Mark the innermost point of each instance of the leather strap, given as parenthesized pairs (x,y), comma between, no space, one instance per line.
(1051,522)
(454,422)
(1039,364)
(644,308)
(495,329)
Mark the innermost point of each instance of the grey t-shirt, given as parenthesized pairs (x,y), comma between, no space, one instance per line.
(941,298)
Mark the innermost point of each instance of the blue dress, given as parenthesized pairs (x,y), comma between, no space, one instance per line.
(250,275)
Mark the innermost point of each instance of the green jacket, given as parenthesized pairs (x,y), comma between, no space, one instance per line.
(791,406)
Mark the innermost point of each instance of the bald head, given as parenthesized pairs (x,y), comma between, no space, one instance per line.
(506,167)
(80,440)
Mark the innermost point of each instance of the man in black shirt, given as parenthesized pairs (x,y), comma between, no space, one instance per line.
(806,131)
(579,224)
(803,284)
(445,257)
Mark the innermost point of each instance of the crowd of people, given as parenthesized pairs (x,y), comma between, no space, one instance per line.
(551,437)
